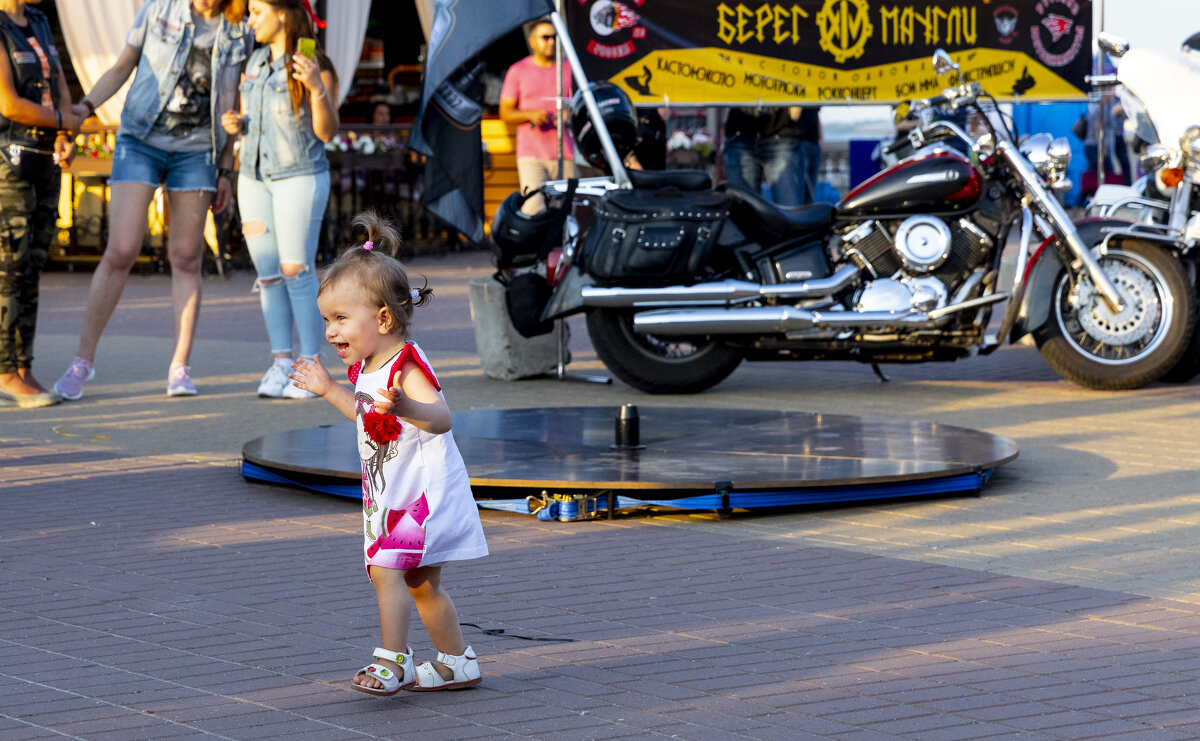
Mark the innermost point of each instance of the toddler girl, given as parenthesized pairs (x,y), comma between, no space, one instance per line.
(418,510)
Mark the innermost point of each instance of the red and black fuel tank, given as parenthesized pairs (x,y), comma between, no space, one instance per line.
(936,182)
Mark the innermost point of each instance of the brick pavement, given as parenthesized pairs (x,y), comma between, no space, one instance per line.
(185,602)
(147,591)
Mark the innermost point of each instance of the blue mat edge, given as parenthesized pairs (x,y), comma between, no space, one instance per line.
(963,483)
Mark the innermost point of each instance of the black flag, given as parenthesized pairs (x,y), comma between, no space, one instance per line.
(446,129)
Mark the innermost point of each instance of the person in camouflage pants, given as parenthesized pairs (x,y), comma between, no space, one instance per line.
(28,209)
(36,119)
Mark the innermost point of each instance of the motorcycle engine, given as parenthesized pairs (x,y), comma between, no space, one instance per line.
(917,262)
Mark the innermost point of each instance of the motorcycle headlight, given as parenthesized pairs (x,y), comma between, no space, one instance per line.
(1036,148)
(1048,156)
(1154,157)
(1060,153)
(1190,141)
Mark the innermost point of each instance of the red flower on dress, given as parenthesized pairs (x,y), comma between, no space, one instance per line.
(381,428)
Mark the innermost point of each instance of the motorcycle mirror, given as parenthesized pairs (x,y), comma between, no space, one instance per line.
(1112,44)
(1192,44)
(1190,141)
(943,64)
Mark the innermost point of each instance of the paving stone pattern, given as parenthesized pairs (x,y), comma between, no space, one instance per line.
(189,603)
(148,591)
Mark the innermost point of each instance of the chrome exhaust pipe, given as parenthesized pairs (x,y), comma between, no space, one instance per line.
(784,319)
(765,320)
(726,290)
(757,320)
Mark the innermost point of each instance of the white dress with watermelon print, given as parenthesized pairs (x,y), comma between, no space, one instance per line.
(418,509)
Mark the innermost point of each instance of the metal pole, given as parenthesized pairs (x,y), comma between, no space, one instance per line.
(559,117)
(581,81)
(1097,69)
(564,42)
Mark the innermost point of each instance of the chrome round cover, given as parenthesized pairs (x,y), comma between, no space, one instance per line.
(923,243)
(884,294)
(928,293)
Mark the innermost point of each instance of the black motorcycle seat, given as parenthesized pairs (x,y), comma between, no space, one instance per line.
(766,222)
(681,179)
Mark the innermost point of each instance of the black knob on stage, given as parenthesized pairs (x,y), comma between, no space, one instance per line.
(628,427)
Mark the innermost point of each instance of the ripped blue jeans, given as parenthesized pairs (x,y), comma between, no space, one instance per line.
(281,221)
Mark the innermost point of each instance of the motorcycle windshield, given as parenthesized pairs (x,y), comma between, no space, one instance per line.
(1135,111)
(1166,84)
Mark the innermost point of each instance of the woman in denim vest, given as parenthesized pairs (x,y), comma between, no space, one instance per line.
(189,56)
(289,111)
(35,116)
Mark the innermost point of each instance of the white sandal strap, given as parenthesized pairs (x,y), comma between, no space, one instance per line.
(405,661)
(464,667)
(382,674)
(427,676)
(451,660)
(396,656)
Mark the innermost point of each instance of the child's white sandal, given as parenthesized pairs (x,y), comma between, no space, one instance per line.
(385,676)
(465,668)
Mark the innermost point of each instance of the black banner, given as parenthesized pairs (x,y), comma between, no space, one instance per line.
(447,126)
(699,52)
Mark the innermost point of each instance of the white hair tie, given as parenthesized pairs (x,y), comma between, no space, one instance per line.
(416,295)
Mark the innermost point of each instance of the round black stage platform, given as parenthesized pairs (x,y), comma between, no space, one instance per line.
(701,458)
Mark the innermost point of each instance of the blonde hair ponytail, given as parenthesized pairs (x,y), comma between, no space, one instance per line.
(379,231)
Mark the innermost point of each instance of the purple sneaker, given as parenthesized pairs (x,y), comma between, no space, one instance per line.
(179,380)
(70,386)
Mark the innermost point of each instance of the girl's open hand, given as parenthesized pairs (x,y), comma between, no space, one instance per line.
(390,400)
(311,376)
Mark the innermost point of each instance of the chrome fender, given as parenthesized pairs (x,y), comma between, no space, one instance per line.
(1035,294)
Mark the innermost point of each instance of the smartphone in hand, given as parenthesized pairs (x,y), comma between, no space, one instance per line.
(306,47)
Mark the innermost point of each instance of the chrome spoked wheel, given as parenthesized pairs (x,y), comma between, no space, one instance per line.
(1089,343)
(1117,337)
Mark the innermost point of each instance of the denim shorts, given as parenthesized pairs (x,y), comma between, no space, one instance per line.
(135,161)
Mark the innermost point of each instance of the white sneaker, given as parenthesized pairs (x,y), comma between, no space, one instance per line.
(291,391)
(274,381)
(179,380)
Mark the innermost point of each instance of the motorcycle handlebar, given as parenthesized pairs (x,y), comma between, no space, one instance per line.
(1101,82)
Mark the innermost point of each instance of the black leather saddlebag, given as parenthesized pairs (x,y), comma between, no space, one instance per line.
(652,237)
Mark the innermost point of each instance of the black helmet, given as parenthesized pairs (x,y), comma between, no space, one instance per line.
(521,238)
(618,114)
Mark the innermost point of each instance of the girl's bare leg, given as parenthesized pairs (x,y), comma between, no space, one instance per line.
(395,612)
(437,613)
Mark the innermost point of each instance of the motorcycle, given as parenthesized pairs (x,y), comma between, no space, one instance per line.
(1155,90)
(681,283)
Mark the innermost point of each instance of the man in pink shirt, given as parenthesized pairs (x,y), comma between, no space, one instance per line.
(527,101)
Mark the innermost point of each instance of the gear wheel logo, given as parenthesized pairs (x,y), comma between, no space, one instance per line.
(845,28)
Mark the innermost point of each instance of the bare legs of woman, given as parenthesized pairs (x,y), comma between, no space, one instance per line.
(185,249)
(393,590)
(128,227)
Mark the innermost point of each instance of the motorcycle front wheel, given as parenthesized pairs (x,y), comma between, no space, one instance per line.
(1086,342)
(658,365)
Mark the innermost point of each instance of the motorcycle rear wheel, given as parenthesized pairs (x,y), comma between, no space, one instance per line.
(1087,344)
(658,365)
